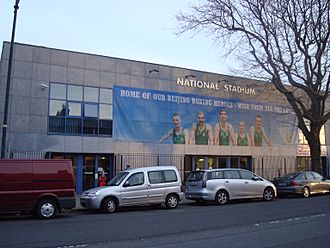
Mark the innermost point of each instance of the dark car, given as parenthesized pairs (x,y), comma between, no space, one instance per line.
(302,183)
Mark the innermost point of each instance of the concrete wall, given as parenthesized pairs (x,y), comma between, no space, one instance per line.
(34,66)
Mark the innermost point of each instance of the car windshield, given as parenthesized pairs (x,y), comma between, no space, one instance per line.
(196,176)
(118,179)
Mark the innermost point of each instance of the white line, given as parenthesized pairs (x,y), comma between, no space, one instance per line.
(73,246)
(290,219)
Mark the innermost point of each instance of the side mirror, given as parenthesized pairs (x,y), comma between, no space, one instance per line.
(256,178)
(126,184)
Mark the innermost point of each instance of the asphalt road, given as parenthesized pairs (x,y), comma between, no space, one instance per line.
(289,222)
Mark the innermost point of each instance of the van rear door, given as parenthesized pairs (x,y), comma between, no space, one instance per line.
(195,181)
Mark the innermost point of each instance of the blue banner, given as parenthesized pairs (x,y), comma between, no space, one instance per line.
(153,116)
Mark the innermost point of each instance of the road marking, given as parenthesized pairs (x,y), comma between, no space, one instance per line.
(273,222)
(73,246)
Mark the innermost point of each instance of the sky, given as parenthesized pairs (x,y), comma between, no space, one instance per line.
(142,30)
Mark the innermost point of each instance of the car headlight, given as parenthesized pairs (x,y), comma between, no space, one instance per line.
(92,193)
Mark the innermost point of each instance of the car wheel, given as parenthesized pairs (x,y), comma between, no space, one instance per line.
(172,201)
(109,205)
(46,209)
(268,194)
(306,192)
(222,197)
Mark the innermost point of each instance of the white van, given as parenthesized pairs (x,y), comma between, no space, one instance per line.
(140,186)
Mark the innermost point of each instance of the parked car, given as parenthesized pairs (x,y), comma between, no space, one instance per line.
(141,186)
(222,185)
(43,187)
(302,183)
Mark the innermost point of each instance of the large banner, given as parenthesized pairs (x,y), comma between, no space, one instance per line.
(144,115)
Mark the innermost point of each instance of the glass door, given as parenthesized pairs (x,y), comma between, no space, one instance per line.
(89,170)
(202,163)
(104,167)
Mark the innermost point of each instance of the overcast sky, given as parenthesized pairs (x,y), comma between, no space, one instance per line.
(142,30)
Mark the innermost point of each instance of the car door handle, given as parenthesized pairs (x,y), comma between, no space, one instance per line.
(246,182)
(226,181)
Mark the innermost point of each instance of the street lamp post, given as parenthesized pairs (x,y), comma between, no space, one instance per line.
(10,62)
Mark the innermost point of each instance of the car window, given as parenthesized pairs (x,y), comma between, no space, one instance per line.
(118,179)
(215,175)
(291,175)
(247,175)
(231,174)
(170,176)
(136,179)
(155,177)
(309,176)
(301,177)
(196,176)
(317,176)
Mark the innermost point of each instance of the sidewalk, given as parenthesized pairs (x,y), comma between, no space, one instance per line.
(78,206)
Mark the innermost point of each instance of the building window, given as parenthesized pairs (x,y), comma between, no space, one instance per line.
(80,110)
(303,140)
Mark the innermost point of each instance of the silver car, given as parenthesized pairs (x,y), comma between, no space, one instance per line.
(302,183)
(141,186)
(222,185)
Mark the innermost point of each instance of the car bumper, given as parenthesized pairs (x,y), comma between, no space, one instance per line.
(90,203)
(181,195)
(199,196)
(289,190)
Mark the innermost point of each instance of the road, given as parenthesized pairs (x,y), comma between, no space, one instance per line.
(289,222)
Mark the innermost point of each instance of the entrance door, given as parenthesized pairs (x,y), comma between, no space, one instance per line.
(89,170)
(201,163)
(222,162)
(104,166)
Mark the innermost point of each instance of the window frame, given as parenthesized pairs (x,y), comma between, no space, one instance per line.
(172,180)
(161,177)
(54,118)
(131,176)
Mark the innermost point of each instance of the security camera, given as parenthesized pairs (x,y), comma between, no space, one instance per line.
(44,86)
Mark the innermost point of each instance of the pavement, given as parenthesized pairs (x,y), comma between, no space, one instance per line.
(78,206)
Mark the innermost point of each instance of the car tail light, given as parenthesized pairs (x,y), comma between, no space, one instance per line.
(204,184)
(293,183)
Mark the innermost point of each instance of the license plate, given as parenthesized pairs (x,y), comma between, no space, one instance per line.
(281,184)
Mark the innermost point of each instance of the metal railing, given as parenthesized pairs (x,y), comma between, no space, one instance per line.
(25,154)
(122,161)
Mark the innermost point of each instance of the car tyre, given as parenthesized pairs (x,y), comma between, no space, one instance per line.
(268,194)
(306,192)
(172,201)
(109,205)
(221,197)
(46,209)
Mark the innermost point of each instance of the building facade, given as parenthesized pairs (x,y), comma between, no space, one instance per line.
(108,113)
